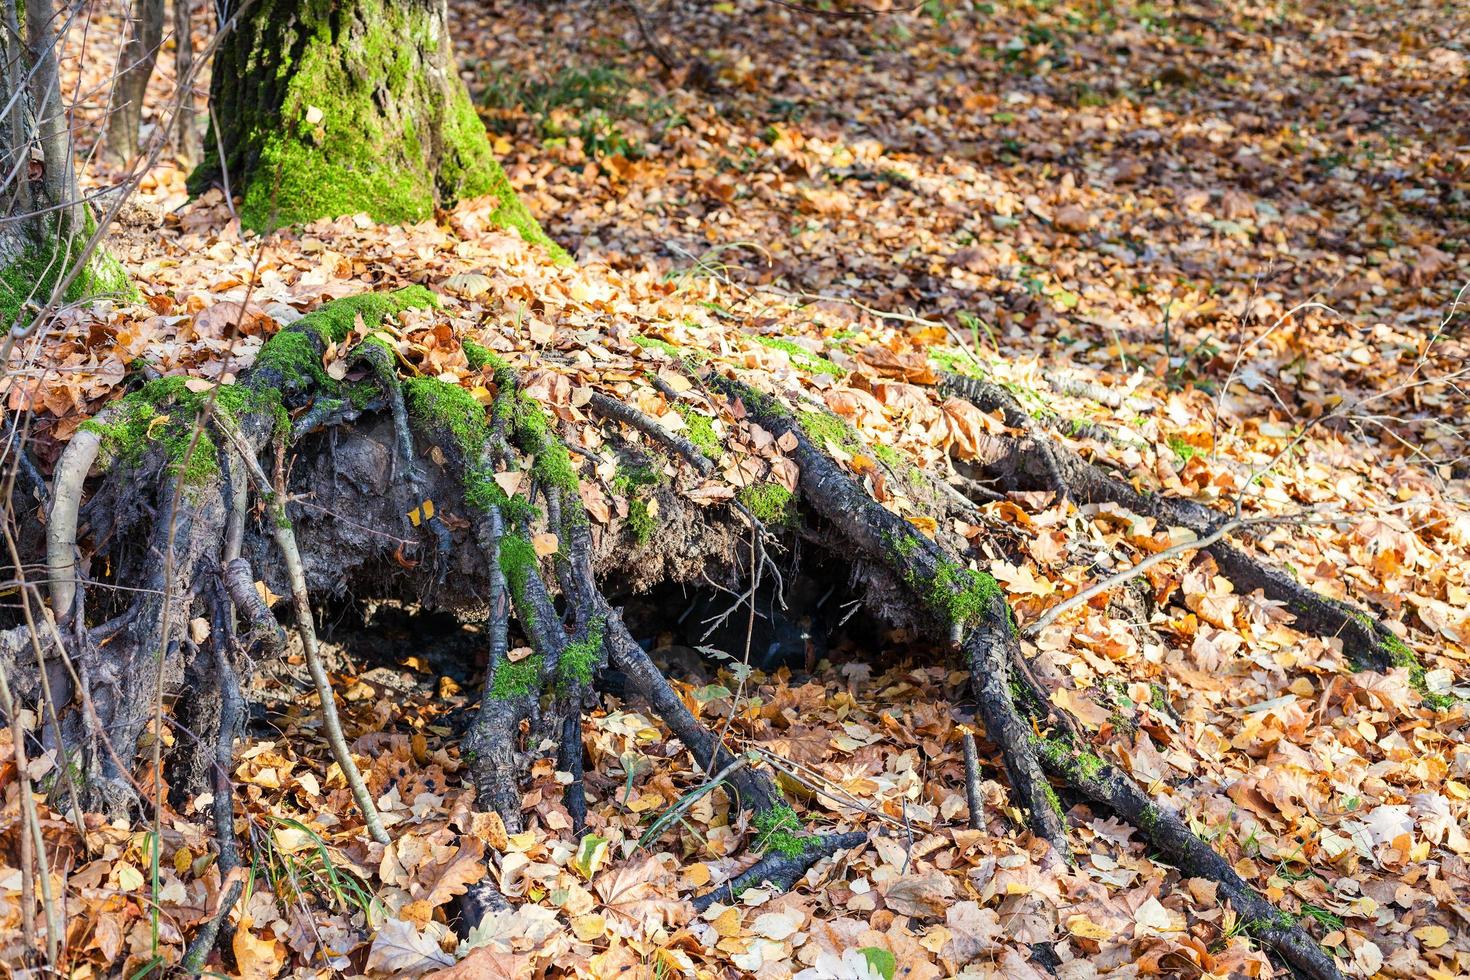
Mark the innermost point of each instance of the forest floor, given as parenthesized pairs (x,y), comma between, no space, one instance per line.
(1117,211)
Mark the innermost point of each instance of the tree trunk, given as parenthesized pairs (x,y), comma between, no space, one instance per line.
(47,255)
(125,107)
(186,129)
(332,108)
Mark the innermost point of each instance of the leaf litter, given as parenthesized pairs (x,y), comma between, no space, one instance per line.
(1032,191)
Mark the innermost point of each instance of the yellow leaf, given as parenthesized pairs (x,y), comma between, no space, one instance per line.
(1082,926)
(927,525)
(589,927)
(183,860)
(727,923)
(590,855)
(257,959)
(129,878)
(1433,937)
(545,544)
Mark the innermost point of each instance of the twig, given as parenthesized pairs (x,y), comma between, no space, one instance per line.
(972,781)
(296,575)
(32,828)
(1132,572)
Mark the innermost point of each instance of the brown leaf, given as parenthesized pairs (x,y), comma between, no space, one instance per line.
(639,898)
(454,876)
(926,895)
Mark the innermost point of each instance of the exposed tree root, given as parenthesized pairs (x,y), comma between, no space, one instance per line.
(1367,642)
(964,599)
(779,869)
(1171,838)
(528,564)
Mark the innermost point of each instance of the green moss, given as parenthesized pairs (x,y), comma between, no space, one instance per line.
(802,358)
(295,360)
(518,563)
(629,479)
(1400,654)
(1148,820)
(823,428)
(162,414)
(779,829)
(701,431)
(516,678)
(292,358)
(374,92)
(1160,699)
(35,272)
(477,355)
(1054,801)
(961,364)
(457,421)
(640,521)
(553,463)
(1182,450)
(656,344)
(889,457)
(962,595)
(579,660)
(450,411)
(771,503)
(334,321)
(1059,753)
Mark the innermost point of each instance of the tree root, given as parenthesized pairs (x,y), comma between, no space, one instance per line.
(964,604)
(963,599)
(1105,784)
(780,869)
(571,627)
(1367,642)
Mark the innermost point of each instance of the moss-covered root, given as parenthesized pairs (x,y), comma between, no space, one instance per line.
(291,361)
(962,602)
(1168,835)
(781,868)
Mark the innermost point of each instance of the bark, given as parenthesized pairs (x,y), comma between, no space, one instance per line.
(354,106)
(186,125)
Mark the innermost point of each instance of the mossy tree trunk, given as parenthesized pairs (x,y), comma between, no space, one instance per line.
(333,107)
(47,252)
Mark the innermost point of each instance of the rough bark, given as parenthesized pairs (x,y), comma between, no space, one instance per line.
(325,109)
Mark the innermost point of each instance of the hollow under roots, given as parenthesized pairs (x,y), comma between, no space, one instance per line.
(224,514)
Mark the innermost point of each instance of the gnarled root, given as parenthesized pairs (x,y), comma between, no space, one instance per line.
(960,599)
(1035,463)
(1170,837)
